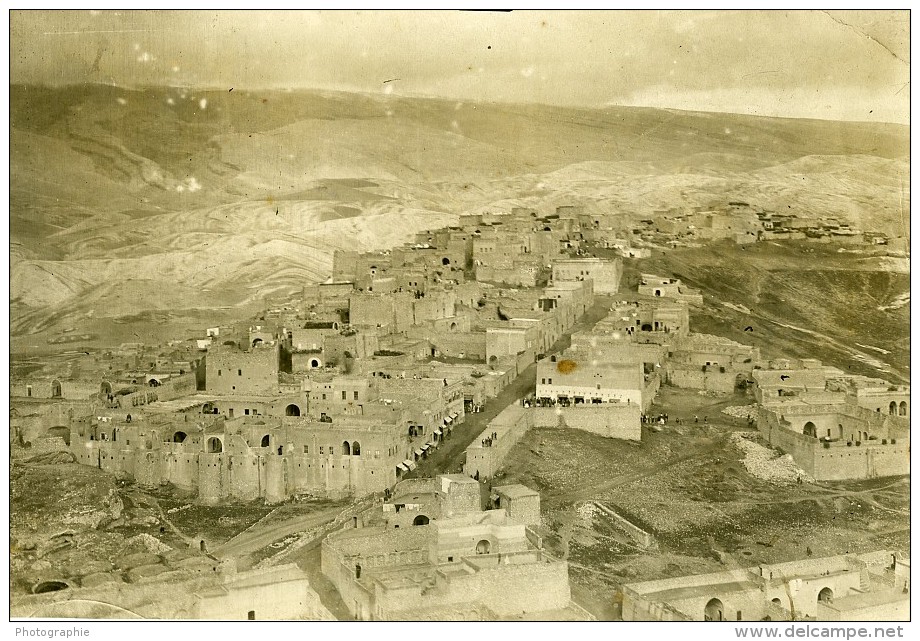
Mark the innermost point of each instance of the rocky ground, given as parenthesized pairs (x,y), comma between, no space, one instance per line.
(713,495)
(78,525)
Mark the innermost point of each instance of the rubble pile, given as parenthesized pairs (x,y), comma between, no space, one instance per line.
(150,543)
(763,463)
(740,411)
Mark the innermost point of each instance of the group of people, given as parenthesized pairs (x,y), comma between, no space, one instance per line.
(487,442)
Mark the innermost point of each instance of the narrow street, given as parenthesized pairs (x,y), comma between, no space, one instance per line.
(450,455)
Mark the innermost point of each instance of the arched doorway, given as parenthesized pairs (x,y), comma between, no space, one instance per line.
(153,382)
(346,448)
(356,449)
(56,389)
(292,410)
(826,595)
(445,261)
(215,446)
(266,441)
(257,342)
(646,327)
(893,407)
(714,611)
(840,431)
(483,547)
(105,388)
(60,431)
(902,409)
(49,586)
(179,437)
(314,363)
(421,519)
(810,430)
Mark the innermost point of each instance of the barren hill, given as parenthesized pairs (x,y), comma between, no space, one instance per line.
(116,192)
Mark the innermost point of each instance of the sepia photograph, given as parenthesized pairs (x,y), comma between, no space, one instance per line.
(495,315)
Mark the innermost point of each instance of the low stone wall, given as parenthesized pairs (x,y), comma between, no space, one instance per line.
(642,538)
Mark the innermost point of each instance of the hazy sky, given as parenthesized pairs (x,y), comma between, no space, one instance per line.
(839,64)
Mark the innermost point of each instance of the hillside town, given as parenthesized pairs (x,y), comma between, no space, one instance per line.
(400,387)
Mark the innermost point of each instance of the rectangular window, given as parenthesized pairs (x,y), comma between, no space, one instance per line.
(246,412)
(219,372)
(550,381)
(330,451)
(542,381)
(306,449)
(376,453)
(320,449)
(356,395)
(324,397)
(344,393)
(239,372)
(28,390)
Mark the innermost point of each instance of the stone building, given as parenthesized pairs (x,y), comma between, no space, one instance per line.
(604,273)
(846,587)
(837,440)
(433,547)
(659,286)
(707,362)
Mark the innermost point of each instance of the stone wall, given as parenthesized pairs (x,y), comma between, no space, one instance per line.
(235,371)
(613,420)
(510,426)
(832,460)
(695,378)
(506,589)
(471,345)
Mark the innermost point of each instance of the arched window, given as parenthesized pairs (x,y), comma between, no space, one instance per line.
(179,437)
(893,408)
(292,410)
(266,440)
(810,430)
(257,342)
(346,448)
(826,595)
(902,408)
(483,547)
(421,519)
(445,261)
(356,449)
(56,389)
(215,446)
